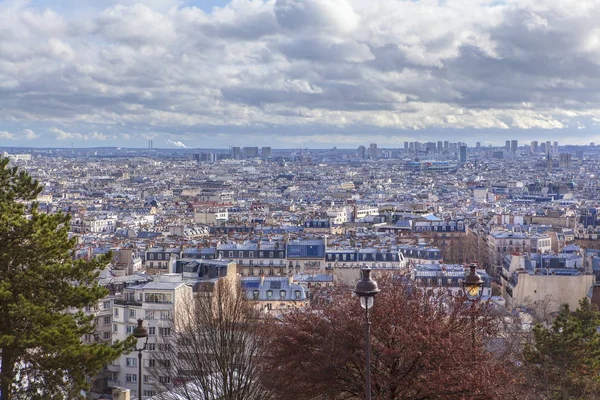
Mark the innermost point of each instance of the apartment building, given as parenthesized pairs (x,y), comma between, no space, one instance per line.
(159,304)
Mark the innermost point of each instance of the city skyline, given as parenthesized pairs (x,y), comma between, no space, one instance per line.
(295,74)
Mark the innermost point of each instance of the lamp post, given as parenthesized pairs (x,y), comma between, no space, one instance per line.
(366,289)
(473,288)
(140,333)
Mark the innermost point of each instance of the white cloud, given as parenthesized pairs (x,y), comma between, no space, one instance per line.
(6,135)
(297,66)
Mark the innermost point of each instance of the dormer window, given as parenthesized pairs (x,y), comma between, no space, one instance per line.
(297,294)
(251,254)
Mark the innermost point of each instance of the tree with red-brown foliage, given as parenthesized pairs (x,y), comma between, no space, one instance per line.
(421,348)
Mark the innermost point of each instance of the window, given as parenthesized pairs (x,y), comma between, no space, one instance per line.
(269,294)
(297,293)
(151,363)
(164,331)
(164,347)
(164,363)
(157,297)
(165,315)
(107,320)
(255,294)
(220,254)
(281,254)
(115,328)
(131,378)
(149,314)
(116,312)
(282,294)
(231,254)
(131,313)
(164,379)
(151,256)
(251,254)
(106,305)
(241,254)
(107,335)
(131,362)
(159,256)
(151,330)
(151,346)
(270,254)
(130,329)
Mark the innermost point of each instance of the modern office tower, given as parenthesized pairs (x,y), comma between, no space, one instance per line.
(548,146)
(405,147)
(534,146)
(543,147)
(507,145)
(362,152)
(592,144)
(440,146)
(478,146)
(265,152)
(235,153)
(463,154)
(446,144)
(373,151)
(514,144)
(565,160)
(555,148)
(411,147)
(250,152)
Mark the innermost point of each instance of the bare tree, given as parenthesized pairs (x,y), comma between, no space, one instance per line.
(215,350)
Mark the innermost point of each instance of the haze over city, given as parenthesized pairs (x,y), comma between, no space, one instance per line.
(291,73)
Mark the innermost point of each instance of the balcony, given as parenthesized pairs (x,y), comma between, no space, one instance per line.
(114,367)
(127,302)
(114,383)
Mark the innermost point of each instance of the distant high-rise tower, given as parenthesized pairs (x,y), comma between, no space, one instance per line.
(446,144)
(405,146)
(543,147)
(548,146)
(534,146)
(463,154)
(478,146)
(592,144)
(265,153)
(555,148)
(373,151)
(440,146)
(235,153)
(362,151)
(507,145)
(549,159)
(514,145)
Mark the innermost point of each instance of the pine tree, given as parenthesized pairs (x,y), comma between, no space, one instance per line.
(563,362)
(41,352)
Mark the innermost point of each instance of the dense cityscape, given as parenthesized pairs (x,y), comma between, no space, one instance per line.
(289,223)
(299,200)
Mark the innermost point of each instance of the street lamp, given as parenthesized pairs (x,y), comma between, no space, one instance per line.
(140,333)
(366,289)
(473,288)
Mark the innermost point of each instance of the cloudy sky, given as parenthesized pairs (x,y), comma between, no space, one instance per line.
(297,73)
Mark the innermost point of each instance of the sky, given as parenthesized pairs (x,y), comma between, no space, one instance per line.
(297,73)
